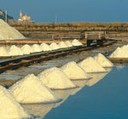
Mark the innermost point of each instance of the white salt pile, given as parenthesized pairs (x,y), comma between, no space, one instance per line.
(73,71)
(26,49)
(103,61)
(54,46)
(3,52)
(120,52)
(62,45)
(9,108)
(7,32)
(45,47)
(76,42)
(68,43)
(14,51)
(36,48)
(31,90)
(91,66)
(54,78)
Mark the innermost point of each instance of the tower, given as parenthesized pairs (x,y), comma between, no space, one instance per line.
(20,14)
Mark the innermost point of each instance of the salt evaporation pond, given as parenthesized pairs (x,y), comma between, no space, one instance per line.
(107,99)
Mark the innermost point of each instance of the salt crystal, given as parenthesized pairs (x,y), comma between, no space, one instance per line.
(3,52)
(91,66)
(103,61)
(120,52)
(9,33)
(68,43)
(76,42)
(36,48)
(14,51)
(54,78)
(73,71)
(62,45)
(54,46)
(26,49)
(45,47)
(31,90)
(10,109)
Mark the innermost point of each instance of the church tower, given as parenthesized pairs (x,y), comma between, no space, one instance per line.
(20,14)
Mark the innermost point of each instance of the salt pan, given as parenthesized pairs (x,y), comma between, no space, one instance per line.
(10,109)
(103,61)
(73,71)
(54,78)
(75,42)
(45,47)
(91,66)
(31,90)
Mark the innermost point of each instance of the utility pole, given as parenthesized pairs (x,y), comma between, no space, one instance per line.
(56,18)
(6,16)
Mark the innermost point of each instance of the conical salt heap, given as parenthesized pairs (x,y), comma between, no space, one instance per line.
(45,47)
(68,43)
(62,45)
(120,52)
(73,71)
(75,42)
(91,66)
(103,61)
(32,90)
(9,33)
(26,49)
(54,78)
(36,48)
(116,52)
(14,51)
(9,108)
(54,46)
(3,52)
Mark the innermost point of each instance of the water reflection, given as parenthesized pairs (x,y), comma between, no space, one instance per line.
(120,66)
(96,77)
(38,110)
(80,84)
(63,94)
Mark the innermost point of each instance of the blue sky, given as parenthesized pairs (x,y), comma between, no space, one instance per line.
(69,10)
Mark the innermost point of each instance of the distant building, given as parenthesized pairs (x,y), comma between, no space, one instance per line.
(4,15)
(24,18)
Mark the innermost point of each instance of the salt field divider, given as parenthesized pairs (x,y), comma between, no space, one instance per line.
(26,60)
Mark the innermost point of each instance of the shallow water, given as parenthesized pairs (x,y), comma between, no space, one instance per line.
(107,99)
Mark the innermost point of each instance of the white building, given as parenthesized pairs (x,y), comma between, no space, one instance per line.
(24,18)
